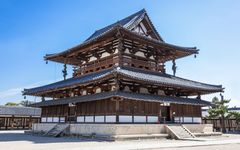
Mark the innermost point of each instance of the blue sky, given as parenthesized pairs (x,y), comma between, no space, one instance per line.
(30,29)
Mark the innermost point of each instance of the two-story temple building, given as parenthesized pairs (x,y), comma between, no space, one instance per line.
(119,76)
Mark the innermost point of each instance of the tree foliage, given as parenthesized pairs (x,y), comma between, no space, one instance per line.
(11,104)
(22,103)
(234,115)
(219,108)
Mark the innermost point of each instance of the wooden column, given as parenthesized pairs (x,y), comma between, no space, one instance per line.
(11,122)
(117,100)
(117,111)
(30,122)
(120,47)
(5,122)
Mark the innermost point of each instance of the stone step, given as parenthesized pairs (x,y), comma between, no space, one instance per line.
(180,132)
(57,130)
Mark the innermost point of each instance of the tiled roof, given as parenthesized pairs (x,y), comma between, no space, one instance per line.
(132,73)
(19,111)
(124,24)
(125,95)
(68,82)
(166,79)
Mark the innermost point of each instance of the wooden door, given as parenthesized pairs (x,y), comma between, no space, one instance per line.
(72,114)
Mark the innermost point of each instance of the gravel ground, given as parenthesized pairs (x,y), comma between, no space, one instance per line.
(17,140)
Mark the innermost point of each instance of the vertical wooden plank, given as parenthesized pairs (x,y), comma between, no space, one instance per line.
(117,111)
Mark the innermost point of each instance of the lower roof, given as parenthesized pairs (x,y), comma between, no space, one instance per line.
(19,111)
(124,95)
(150,77)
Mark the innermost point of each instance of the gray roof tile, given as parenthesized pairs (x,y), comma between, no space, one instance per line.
(133,73)
(19,111)
(125,95)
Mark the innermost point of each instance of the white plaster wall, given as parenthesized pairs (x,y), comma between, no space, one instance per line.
(105,54)
(43,119)
(80,119)
(140,119)
(125,118)
(141,54)
(99,118)
(110,119)
(144,90)
(187,119)
(62,119)
(49,119)
(55,119)
(89,119)
(197,119)
(152,119)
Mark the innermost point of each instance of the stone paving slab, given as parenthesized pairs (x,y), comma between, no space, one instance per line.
(12,140)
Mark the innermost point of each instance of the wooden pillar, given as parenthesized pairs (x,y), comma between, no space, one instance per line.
(120,47)
(24,119)
(117,111)
(133,110)
(12,118)
(5,122)
(171,113)
(30,122)
(117,101)
(160,114)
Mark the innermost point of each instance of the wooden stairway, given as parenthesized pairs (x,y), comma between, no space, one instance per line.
(180,132)
(57,130)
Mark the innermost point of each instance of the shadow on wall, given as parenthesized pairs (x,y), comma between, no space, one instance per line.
(8,136)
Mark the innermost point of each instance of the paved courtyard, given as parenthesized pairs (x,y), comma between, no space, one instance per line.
(12,140)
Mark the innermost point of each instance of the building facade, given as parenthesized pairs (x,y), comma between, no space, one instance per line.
(16,117)
(119,76)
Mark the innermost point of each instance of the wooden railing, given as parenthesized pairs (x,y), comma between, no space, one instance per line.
(110,61)
(148,65)
(98,65)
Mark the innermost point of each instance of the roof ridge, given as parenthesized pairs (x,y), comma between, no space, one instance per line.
(115,23)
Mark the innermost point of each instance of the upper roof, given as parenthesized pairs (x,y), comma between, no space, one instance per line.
(19,111)
(128,23)
(125,95)
(132,73)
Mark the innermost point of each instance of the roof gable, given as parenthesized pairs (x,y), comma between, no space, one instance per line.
(138,22)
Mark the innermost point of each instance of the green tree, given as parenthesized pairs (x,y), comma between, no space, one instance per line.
(219,109)
(235,115)
(11,104)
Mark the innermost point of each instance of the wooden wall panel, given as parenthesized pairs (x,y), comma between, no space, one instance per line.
(186,110)
(126,107)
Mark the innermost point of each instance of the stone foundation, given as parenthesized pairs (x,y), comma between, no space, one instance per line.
(113,130)
(105,129)
(199,128)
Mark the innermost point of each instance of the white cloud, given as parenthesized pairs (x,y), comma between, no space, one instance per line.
(15,94)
